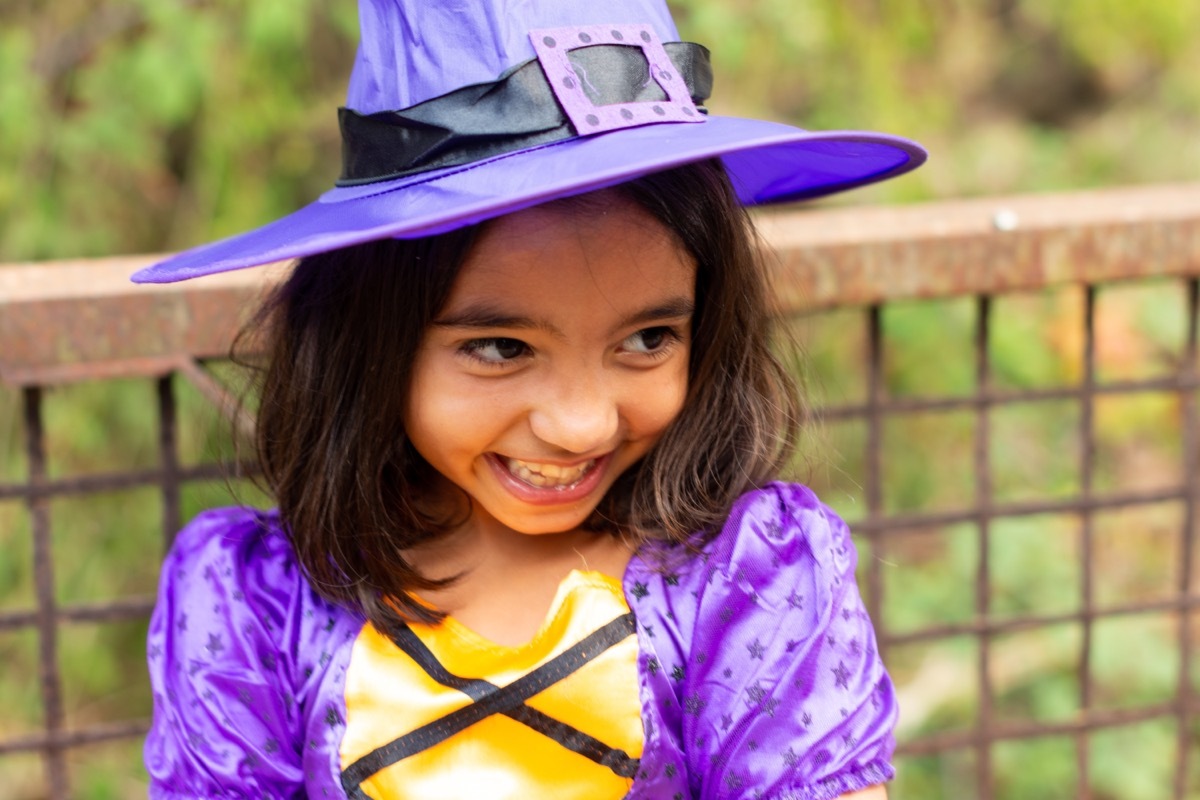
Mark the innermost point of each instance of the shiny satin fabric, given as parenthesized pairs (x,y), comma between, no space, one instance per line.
(388,695)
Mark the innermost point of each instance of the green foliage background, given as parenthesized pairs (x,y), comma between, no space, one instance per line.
(151,125)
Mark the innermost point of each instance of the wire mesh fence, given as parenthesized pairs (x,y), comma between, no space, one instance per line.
(1108,519)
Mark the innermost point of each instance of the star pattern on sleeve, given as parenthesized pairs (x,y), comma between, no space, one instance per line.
(694,704)
(842,675)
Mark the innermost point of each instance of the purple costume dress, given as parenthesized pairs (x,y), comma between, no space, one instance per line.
(757,667)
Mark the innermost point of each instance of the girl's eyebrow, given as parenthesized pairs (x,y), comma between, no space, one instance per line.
(674,308)
(484,316)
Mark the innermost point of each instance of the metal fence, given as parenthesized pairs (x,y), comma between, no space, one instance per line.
(847,276)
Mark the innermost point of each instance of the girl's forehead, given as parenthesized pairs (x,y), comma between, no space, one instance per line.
(605,216)
(616,239)
(604,242)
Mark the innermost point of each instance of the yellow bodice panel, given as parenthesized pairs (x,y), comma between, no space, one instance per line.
(441,713)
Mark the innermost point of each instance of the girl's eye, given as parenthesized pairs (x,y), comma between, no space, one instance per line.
(495,351)
(650,341)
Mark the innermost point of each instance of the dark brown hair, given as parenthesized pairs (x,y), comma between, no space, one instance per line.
(341,336)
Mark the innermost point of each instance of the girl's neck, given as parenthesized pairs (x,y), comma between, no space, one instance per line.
(508,580)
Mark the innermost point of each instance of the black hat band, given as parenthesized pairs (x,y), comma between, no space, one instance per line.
(518,111)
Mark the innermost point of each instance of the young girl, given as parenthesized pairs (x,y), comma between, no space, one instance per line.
(521,419)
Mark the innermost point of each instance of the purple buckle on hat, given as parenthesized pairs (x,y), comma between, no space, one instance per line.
(552,46)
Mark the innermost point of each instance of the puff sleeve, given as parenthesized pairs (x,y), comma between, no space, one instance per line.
(226,694)
(777,690)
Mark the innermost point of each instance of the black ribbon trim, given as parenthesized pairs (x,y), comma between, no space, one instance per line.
(568,736)
(515,112)
(491,700)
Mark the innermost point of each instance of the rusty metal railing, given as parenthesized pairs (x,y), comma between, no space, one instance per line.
(67,323)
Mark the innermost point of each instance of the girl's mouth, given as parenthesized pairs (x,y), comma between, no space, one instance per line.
(541,483)
(548,476)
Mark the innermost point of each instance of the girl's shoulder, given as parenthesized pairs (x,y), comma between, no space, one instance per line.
(222,541)
(781,552)
(784,522)
(236,559)
(773,537)
(231,574)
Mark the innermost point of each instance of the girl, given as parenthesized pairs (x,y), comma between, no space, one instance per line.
(521,419)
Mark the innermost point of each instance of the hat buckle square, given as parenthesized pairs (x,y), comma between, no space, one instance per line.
(552,46)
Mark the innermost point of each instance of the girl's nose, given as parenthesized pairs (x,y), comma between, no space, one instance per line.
(581,417)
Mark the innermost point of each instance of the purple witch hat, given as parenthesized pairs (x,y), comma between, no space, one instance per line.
(460,112)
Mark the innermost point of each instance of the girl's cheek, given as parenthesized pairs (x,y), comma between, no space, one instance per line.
(660,400)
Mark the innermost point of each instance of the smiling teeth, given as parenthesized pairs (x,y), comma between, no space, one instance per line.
(548,475)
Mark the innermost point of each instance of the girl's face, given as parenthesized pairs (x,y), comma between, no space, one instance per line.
(558,361)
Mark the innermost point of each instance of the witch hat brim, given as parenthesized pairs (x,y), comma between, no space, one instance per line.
(768,162)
